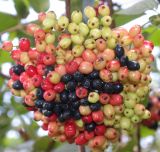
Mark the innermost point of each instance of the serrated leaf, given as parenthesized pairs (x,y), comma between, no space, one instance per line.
(7,21)
(5,57)
(21,8)
(123,19)
(145,131)
(155,19)
(139,7)
(39,5)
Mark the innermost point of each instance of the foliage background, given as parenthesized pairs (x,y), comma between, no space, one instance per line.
(17,130)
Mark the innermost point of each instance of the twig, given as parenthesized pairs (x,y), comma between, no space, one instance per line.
(4,76)
(81,149)
(68,8)
(138,138)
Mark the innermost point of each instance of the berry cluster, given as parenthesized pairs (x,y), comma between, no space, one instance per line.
(85,81)
(154,107)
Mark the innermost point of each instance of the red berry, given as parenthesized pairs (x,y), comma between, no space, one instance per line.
(149,44)
(39,34)
(80,139)
(49,95)
(113,65)
(87,119)
(46,85)
(116,100)
(59,87)
(70,130)
(88,135)
(15,54)
(104,98)
(97,116)
(49,59)
(24,44)
(53,117)
(23,77)
(41,69)
(100,130)
(45,126)
(36,80)
(31,70)
(33,54)
(71,67)
(7,46)
(81,92)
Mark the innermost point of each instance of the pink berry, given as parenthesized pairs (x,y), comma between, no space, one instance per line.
(71,67)
(86,67)
(41,69)
(49,95)
(36,80)
(61,69)
(116,100)
(78,60)
(41,16)
(98,116)
(81,92)
(15,54)
(135,30)
(24,44)
(89,56)
(113,65)
(39,34)
(33,54)
(49,59)
(106,75)
(31,70)
(104,98)
(59,87)
(46,85)
(7,46)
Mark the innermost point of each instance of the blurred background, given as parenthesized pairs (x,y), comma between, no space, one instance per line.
(18,131)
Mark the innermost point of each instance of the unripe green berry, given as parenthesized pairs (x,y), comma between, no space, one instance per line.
(90,43)
(90,12)
(83,29)
(129,103)
(77,39)
(93,97)
(63,22)
(146,114)
(76,16)
(109,122)
(106,33)
(77,50)
(139,109)
(73,28)
(135,119)
(106,21)
(93,22)
(65,43)
(128,113)
(48,23)
(109,111)
(125,123)
(95,33)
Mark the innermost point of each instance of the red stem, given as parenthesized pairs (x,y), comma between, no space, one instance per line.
(68,8)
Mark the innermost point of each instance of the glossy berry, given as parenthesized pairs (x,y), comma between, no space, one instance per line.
(133,65)
(124,61)
(119,51)
(81,92)
(78,76)
(84,102)
(97,84)
(17,85)
(108,88)
(71,85)
(64,96)
(66,78)
(18,69)
(72,97)
(104,98)
(95,106)
(94,74)
(87,119)
(71,67)
(39,93)
(24,44)
(90,127)
(86,83)
(118,87)
(59,87)
(39,103)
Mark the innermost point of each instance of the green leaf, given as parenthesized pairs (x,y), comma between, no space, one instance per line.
(129,147)
(152,33)
(21,8)
(20,109)
(155,19)
(139,7)
(1,81)
(5,57)
(145,131)
(123,19)
(7,21)
(39,5)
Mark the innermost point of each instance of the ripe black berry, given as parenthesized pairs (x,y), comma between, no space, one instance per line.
(133,65)
(97,84)
(75,104)
(77,115)
(90,127)
(48,105)
(119,51)
(39,93)
(48,69)
(66,114)
(118,87)
(18,69)
(124,60)
(78,76)
(71,85)
(95,106)
(72,97)
(39,103)
(86,83)
(66,78)
(84,102)
(64,96)
(47,113)
(108,88)
(94,74)
(17,85)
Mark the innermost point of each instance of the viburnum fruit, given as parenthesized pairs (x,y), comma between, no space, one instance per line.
(86,84)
